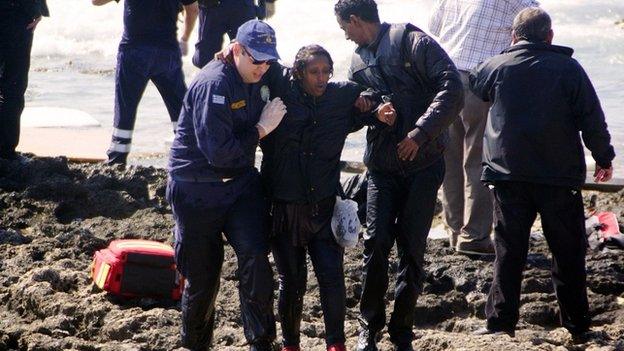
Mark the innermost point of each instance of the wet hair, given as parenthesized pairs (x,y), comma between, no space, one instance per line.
(364,9)
(305,54)
(532,24)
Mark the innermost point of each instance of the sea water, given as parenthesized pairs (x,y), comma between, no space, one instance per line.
(74,54)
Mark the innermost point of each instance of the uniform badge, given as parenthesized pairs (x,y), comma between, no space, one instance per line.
(265,93)
(238,104)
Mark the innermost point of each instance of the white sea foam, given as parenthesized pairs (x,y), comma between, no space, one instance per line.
(81,38)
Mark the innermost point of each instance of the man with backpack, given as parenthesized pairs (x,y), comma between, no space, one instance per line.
(422,94)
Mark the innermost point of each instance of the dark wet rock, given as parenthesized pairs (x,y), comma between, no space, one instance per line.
(54,215)
(13,237)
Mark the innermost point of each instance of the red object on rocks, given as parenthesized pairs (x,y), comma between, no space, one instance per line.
(336,347)
(137,268)
(610,226)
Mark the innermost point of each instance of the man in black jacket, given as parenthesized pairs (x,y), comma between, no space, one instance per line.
(18,20)
(423,94)
(533,160)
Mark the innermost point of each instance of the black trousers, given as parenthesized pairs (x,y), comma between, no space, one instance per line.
(327,259)
(202,212)
(15,46)
(399,208)
(561,210)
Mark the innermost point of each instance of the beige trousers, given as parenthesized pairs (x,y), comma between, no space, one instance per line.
(466,202)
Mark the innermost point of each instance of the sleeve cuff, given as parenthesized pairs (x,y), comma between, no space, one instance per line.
(604,165)
(418,135)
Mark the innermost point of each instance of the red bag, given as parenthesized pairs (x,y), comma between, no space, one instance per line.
(137,268)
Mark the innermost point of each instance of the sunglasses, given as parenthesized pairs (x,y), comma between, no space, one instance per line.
(253,60)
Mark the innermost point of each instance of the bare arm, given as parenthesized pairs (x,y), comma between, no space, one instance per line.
(190,16)
(100,2)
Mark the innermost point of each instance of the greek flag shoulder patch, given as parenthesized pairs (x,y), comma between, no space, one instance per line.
(218,99)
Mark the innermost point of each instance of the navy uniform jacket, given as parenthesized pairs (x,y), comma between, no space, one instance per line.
(151,22)
(216,136)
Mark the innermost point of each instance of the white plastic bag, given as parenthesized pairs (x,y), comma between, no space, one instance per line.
(345,223)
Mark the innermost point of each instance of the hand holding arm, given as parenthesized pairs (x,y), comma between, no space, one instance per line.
(386,113)
(271,116)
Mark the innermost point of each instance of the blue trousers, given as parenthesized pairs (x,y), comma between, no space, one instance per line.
(202,212)
(215,21)
(136,66)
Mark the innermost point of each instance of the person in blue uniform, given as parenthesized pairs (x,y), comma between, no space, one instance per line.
(213,188)
(18,20)
(149,50)
(218,17)
(301,166)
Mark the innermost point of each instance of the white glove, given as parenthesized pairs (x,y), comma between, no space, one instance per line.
(183,47)
(272,115)
(269,7)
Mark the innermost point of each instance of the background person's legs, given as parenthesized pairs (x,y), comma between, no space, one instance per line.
(131,77)
(169,80)
(15,47)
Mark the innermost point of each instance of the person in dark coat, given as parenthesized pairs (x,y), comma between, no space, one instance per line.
(301,167)
(424,95)
(18,20)
(220,17)
(542,102)
(215,190)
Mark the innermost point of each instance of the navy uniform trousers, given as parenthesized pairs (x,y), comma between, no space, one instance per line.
(516,205)
(217,18)
(202,212)
(400,209)
(136,66)
(15,46)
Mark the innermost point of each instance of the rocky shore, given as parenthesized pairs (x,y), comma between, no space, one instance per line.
(54,215)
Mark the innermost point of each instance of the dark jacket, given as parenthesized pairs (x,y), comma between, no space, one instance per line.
(301,158)
(25,9)
(541,99)
(425,89)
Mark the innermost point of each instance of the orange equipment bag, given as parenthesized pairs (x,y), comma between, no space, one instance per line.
(137,268)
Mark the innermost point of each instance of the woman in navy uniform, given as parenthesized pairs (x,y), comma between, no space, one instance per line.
(214,188)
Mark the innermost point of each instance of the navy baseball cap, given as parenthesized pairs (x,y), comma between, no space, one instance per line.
(259,39)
